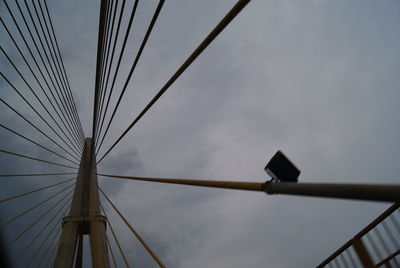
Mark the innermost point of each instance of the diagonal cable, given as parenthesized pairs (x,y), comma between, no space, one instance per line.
(37,144)
(37,220)
(236,185)
(36,159)
(144,244)
(99,60)
(112,253)
(103,89)
(69,145)
(34,191)
(120,16)
(211,36)
(115,238)
(135,62)
(38,98)
(58,89)
(37,128)
(34,59)
(64,206)
(62,64)
(62,117)
(128,29)
(35,174)
(55,61)
(35,206)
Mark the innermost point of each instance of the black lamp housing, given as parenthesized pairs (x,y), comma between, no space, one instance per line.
(280,168)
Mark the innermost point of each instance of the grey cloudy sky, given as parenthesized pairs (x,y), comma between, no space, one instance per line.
(317,79)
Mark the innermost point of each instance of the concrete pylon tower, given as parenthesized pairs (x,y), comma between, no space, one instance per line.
(84,219)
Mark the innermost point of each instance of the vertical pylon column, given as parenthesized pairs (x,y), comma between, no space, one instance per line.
(84,218)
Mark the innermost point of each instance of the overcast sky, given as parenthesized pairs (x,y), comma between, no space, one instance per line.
(317,79)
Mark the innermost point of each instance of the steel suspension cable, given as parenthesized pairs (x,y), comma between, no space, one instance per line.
(104,54)
(69,145)
(36,96)
(37,220)
(62,116)
(51,50)
(35,206)
(58,89)
(34,191)
(127,31)
(48,249)
(36,159)
(46,252)
(98,67)
(62,64)
(37,128)
(63,207)
(149,250)
(105,45)
(237,185)
(57,63)
(110,65)
(115,238)
(112,253)
(35,174)
(33,57)
(53,251)
(37,144)
(135,62)
(110,31)
(211,36)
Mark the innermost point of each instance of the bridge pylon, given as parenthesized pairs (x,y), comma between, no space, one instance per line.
(84,218)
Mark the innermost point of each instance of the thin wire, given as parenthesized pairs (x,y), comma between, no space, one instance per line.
(104,52)
(98,67)
(53,251)
(37,128)
(58,88)
(103,88)
(76,150)
(142,46)
(65,208)
(37,159)
(115,238)
(237,185)
(60,73)
(128,29)
(37,144)
(35,174)
(33,57)
(36,221)
(62,63)
(211,36)
(37,97)
(60,77)
(34,191)
(46,252)
(111,61)
(149,250)
(105,46)
(35,206)
(34,75)
(112,253)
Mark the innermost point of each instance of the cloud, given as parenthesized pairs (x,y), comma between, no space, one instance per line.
(316,79)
